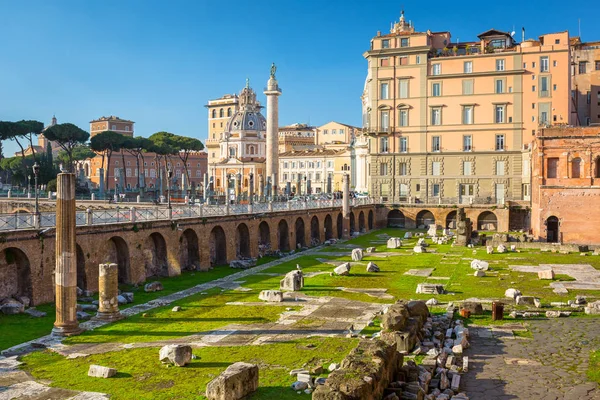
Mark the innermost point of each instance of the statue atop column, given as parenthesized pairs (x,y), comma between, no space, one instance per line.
(273,70)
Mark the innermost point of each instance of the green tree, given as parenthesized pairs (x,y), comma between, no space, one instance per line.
(106,143)
(20,130)
(163,147)
(17,168)
(137,146)
(80,153)
(68,136)
(187,146)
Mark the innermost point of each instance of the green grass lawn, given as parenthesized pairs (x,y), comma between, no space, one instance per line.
(140,372)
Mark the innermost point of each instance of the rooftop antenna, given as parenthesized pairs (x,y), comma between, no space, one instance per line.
(579,23)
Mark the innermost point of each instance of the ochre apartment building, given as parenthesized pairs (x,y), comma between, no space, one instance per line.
(452,122)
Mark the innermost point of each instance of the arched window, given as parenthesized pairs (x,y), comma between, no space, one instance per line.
(218,182)
(229,112)
(214,113)
(576,168)
(232,152)
(221,113)
(597,168)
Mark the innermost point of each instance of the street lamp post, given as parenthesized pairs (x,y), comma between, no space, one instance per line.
(29,186)
(169,176)
(36,172)
(116,189)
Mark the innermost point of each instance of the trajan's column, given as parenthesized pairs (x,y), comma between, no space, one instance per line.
(272,160)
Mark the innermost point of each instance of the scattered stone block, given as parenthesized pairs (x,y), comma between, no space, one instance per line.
(298,385)
(419,249)
(501,248)
(176,354)
(333,366)
(432,230)
(176,309)
(83,315)
(370,249)
(343,269)
(293,281)
(235,383)
(473,307)
(455,385)
(128,296)
(35,312)
(489,250)
(528,301)
(512,293)
(242,264)
(121,299)
(357,254)
(430,288)
(372,267)
(480,265)
(11,306)
(546,274)
(513,247)
(98,371)
(431,302)
(155,286)
(297,371)
(274,296)
(394,243)
(395,318)
(408,235)
(479,273)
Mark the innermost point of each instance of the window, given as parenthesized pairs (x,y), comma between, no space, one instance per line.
(214,113)
(383,169)
(533,88)
(127,129)
(499,65)
(341,131)
(467,189)
(385,44)
(403,169)
(554,87)
(221,113)
(403,189)
(436,89)
(467,168)
(597,66)
(403,88)
(435,168)
(404,42)
(384,145)
(333,131)
(499,114)
(582,67)
(436,69)
(436,116)
(229,112)
(544,117)
(467,117)
(317,176)
(403,144)
(544,86)
(533,106)
(385,62)
(467,86)
(385,120)
(403,118)
(554,63)
(576,168)
(418,59)
(524,65)
(467,143)
(418,187)
(435,143)
(285,164)
(499,142)
(588,97)
(325,131)
(403,61)
(436,190)
(293,165)
(552,167)
(499,86)
(285,177)
(544,64)
(468,67)
(533,77)
(329,164)
(384,91)
(533,64)
(499,167)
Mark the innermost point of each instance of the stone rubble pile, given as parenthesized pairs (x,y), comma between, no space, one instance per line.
(593,308)
(244,263)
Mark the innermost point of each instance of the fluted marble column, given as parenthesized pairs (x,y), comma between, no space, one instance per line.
(346,205)
(108,286)
(66,323)
(272,157)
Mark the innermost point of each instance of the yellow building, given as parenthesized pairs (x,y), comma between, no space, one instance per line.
(219,112)
(296,136)
(111,123)
(335,133)
(317,165)
(585,78)
(452,122)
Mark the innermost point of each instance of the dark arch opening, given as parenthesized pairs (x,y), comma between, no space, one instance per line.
(15,274)
(218,246)
(190,250)
(340,226)
(284,235)
(315,234)
(264,236)
(395,219)
(361,222)
(487,221)
(81,275)
(424,219)
(328,227)
(118,253)
(552,230)
(243,241)
(352,224)
(370,219)
(597,168)
(451,220)
(157,265)
(299,229)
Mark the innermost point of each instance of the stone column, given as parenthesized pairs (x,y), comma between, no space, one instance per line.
(261,186)
(251,188)
(346,205)
(66,260)
(108,286)
(101,184)
(272,157)
(299,185)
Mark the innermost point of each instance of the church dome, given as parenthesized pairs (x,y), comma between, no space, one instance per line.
(248,118)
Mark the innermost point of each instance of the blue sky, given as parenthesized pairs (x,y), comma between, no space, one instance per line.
(158,62)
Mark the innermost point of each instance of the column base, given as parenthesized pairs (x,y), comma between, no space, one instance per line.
(108,316)
(65,331)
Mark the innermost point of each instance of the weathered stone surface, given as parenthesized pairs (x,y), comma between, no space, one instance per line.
(98,371)
(26,301)
(546,274)
(176,309)
(343,269)
(121,299)
(275,296)
(463,228)
(394,243)
(408,235)
(479,273)
(299,385)
(431,302)
(432,230)
(128,296)
(395,318)
(527,301)
(473,307)
(480,265)
(419,249)
(357,255)
(489,249)
(501,248)
(176,354)
(370,249)
(418,308)
(372,267)
(155,286)
(242,264)
(35,312)
(430,288)
(512,293)
(293,281)
(236,382)
(11,306)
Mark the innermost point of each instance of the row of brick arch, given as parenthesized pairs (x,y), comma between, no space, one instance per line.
(164,256)
(486,220)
